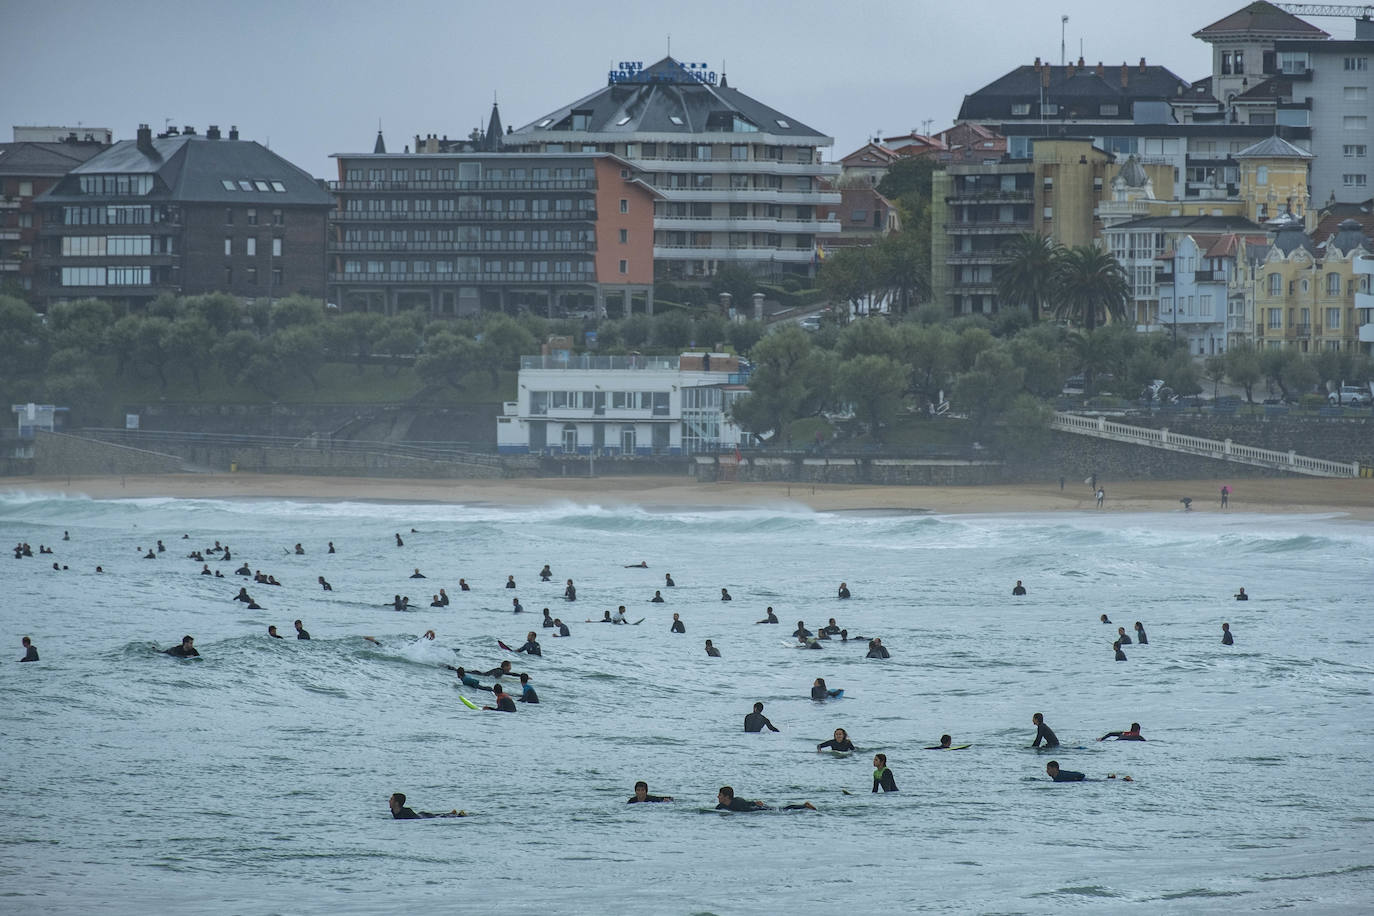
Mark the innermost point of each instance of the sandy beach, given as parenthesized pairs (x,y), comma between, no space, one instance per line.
(1354,498)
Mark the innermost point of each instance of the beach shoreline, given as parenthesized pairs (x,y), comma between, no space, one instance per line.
(1351,498)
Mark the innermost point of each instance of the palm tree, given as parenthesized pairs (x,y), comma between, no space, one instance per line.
(1091,286)
(1028,278)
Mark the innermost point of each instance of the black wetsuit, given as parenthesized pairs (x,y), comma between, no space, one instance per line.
(725,596)
(801,633)
(1140,637)
(844,745)
(420,575)
(528,695)
(563,630)
(648,798)
(510,583)
(677,627)
(878,652)
(548,623)
(1227,639)
(531,648)
(756,721)
(883,778)
(30,654)
(545,575)
(771,618)
(1123,639)
(713,651)
(570,593)
(180,652)
(1068,776)
(302,634)
(1123,736)
(844,593)
(1046,734)
(465,587)
(409,814)
(742,804)
(1019,590)
(1242,597)
(831,630)
(656,599)
(668,582)
(819,693)
(505,704)
(499,672)
(1119,656)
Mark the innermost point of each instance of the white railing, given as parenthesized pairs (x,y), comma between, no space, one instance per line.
(1223,450)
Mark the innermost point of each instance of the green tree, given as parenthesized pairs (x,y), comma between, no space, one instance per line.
(1214,370)
(743,335)
(70,379)
(930,352)
(83,324)
(446,359)
(1292,372)
(710,329)
(874,385)
(300,351)
(969,345)
(672,330)
(504,341)
(1243,368)
(233,353)
(1091,287)
(901,264)
(1041,357)
(23,344)
(872,336)
(1028,280)
(152,346)
(847,276)
(738,281)
(353,334)
(297,311)
(399,340)
(221,311)
(636,330)
(188,342)
(791,380)
(1024,433)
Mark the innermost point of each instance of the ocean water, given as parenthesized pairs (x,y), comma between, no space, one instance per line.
(255,779)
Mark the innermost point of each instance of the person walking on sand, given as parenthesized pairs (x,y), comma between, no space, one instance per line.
(1225,496)
(1101,495)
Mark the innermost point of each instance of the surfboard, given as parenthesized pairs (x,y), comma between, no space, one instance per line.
(836,694)
(468,703)
(638,622)
(504,646)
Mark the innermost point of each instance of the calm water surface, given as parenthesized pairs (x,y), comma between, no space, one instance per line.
(255,780)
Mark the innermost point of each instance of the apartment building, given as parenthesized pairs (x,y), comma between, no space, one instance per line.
(182,213)
(454,233)
(741,183)
(1313,294)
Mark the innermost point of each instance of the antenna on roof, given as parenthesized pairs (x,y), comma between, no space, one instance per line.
(1063,24)
(670,44)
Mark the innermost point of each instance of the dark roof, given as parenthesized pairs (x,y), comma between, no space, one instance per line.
(1290,238)
(193,168)
(649,100)
(1273,148)
(1072,84)
(491,140)
(1259,18)
(44,159)
(1276,89)
(379,148)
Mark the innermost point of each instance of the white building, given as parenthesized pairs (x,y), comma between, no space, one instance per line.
(623,405)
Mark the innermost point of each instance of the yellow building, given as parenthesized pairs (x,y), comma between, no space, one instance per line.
(1305,291)
(1273,179)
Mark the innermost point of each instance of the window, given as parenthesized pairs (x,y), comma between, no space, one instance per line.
(703,181)
(1225,63)
(1275,316)
(1049,109)
(276,247)
(1262,175)
(781,123)
(228,247)
(83,276)
(128,276)
(1107,111)
(1354,150)
(675,119)
(1333,319)
(1354,180)
(1333,284)
(252,216)
(1048,213)
(1356,63)
(227,184)
(703,151)
(1356,93)
(1355,122)
(858,216)
(276,276)
(1275,286)
(1021,108)
(624,236)
(278,218)
(624,205)
(624,266)
(252,276)
(739,152)
(250,247)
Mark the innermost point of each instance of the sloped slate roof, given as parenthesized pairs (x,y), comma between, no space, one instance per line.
(193,168)
(1070,83)
(649,101)
(1273,148)
(44,159)
(1133,173)
(1261,17)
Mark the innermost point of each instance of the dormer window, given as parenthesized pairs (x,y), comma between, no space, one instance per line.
(545,123)
(675,119)
(783,124)
(1107,111)
(1022,108)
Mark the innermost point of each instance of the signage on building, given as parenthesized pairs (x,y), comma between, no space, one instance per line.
(131,421)
(632,71)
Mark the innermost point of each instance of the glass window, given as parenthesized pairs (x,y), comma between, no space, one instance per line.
(250,247)
(276,247)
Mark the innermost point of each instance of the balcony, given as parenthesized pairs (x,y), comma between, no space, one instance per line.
(554,184)
(728,253)
(1367,333)
(535,247)
(744,224)
(738,166)
(977,257)
(779,196)
(989,227)
(662,363)
(979,197)
(466,279)
(463,216)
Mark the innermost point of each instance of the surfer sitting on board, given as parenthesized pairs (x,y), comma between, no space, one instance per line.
(1043,732)
(820,692)
(771,618)
(503,702)
(882,776)
(531,646)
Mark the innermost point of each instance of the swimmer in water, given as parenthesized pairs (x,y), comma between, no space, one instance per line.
(642,795)
(657,598)
(516,606)
(205,570)
(243,571)
(510,582)
(1241,596)
(711,650)
(725,595)
(187,649)
(301,632)
(678,626)
(876,649)
(840,742)
(640,565)
(726,801)
(503,702)
(531,646)
(1043,733)
(400,812)
(527,694)
(545,574)
(1140,637)
(1130,734)
(820,692)
(443,597)
(668,581)
(1118,654)
(399,542)
(300,551)
(435,602)
(945,743)
(1018,589)
(1121,636)
(331,546)
(771,618)
(417,574)
(831,629)
(570,593)
(463,585)
(1058,775)
(562,628)
(844,591)
(324,586)
(801,632)
(30,650)
(1105,620)
(882,776)
(548,623)
(756,721)
(1226,638)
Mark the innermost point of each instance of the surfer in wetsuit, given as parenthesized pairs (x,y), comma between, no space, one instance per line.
(272,632)
(30,650)
(462,586)
(516,606)
(1140,637)
(562,628)
(756,721)
(678,626)
(642,795)
(417,574)
(548,622)
(840,742)
(466,679)
(443,597)
(620,615)
(945,744)
(640,565)
(531,646)
(400,812)
(301,632)
(510,582)
(726,801)
(876,649)
(1058,775)
(801,632)
(844,591)
(545,574)
(570,593)
(771,618)
(243,595)
(605,618)
(243,571)
(435,602)
(1019,589)
(527,694)
(819,691)
(331,547)
(1226,638)
(300,551)
(324,586)
(830,629)
(1119,655)
(882,776)
(503,702)
(711,650)
(185,650)
(1241,596)
(657,598)
(1105,620)
(725,595)
(1043,733)
(668,581)
(1121,636)
(1131,734)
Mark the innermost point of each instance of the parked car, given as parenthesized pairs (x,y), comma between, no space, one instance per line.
(1350,396)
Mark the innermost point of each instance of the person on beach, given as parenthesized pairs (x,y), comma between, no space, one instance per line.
(844,591)
(1130,734)
(187,649)
(1018,589)
(1101,495)
(711,650)
(642,795)
(756,721)
(400,812)
(725,595)
(876,649)
(678,626)
(527,694)
(570,593)
(668,581)
(1225,496)
(882,776)
(301,632)
(1241,596)
(1226,638)
(1118,654)
(1140,637)
(503,702)
(771,618)
(1043,733)
(726,801)
(30,650)
(657,598)
(545,574)
(531,646)
(272,632)
(840,742)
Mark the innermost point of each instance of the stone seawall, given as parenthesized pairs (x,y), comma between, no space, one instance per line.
(60,454)
(1347,438)
(338,463)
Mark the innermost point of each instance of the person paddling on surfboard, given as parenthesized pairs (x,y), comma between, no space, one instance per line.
(726,801)
(400,812)
(945,745)
(642,795)
(503,702)
(1130,734)
(466,679)
(840,742)
(820,692)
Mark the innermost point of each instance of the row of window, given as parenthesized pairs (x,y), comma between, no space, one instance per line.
(89,246)
(469,266)
(107,276)
(468,171)
(654,401)
(1333,285)
(1354,150)
(735,182)
(704,210)
(470,204)
(474,234)
(116,185)
(250,277)
(250,247)
(251,217)
(256,184)
(1275,319)
(111,215)
(1354,180)
(699,151)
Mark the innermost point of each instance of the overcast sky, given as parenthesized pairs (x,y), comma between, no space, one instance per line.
(313,78)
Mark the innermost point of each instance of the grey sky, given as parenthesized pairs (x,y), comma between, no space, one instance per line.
(313,78)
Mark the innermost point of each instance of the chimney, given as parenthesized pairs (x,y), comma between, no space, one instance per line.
(145,138)
(188,131)
(1142,65)
(1069,70)
(1080,62)
(212,132)
(1101,71)
(1125,75)
(1045,76)
(233,131)
(417,143)
(1037,65)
